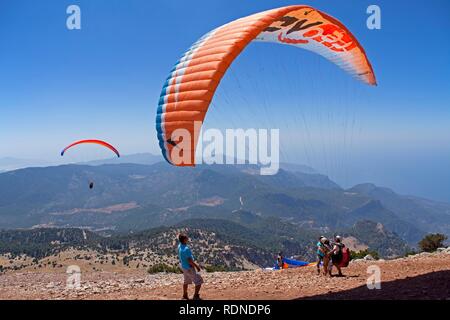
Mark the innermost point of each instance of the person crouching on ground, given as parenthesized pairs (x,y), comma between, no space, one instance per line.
(189,267)
(280,262)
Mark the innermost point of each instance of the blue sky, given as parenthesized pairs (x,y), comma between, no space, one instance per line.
(104,80)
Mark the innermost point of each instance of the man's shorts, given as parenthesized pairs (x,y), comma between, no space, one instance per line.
(191,276)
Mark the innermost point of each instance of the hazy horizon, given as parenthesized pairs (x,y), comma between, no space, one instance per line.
(104,81)
(361,175)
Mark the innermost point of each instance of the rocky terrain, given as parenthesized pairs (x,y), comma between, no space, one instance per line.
(422,276)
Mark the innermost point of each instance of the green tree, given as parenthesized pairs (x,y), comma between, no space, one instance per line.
(431,242)
(215,268)
(410,253)
(162,267)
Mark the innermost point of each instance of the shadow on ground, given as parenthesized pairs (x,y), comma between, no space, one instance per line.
(434,286)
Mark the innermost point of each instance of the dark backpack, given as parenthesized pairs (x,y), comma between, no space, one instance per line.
(337,256)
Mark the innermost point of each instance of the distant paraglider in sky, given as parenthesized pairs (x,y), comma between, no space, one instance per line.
(91,141)
(99,142)
(192,82)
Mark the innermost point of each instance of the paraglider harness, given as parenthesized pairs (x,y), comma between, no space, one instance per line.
(337,256)
(171,142)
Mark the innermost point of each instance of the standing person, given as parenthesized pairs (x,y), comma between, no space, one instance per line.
(326,258)
(321,253)
(336,255)
(189,267)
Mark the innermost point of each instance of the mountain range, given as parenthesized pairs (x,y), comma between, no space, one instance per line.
(219,244)
(132,197)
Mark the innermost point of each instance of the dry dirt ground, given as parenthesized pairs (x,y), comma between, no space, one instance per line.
(424,276)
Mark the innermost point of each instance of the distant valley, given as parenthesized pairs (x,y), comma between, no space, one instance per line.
(286,211)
